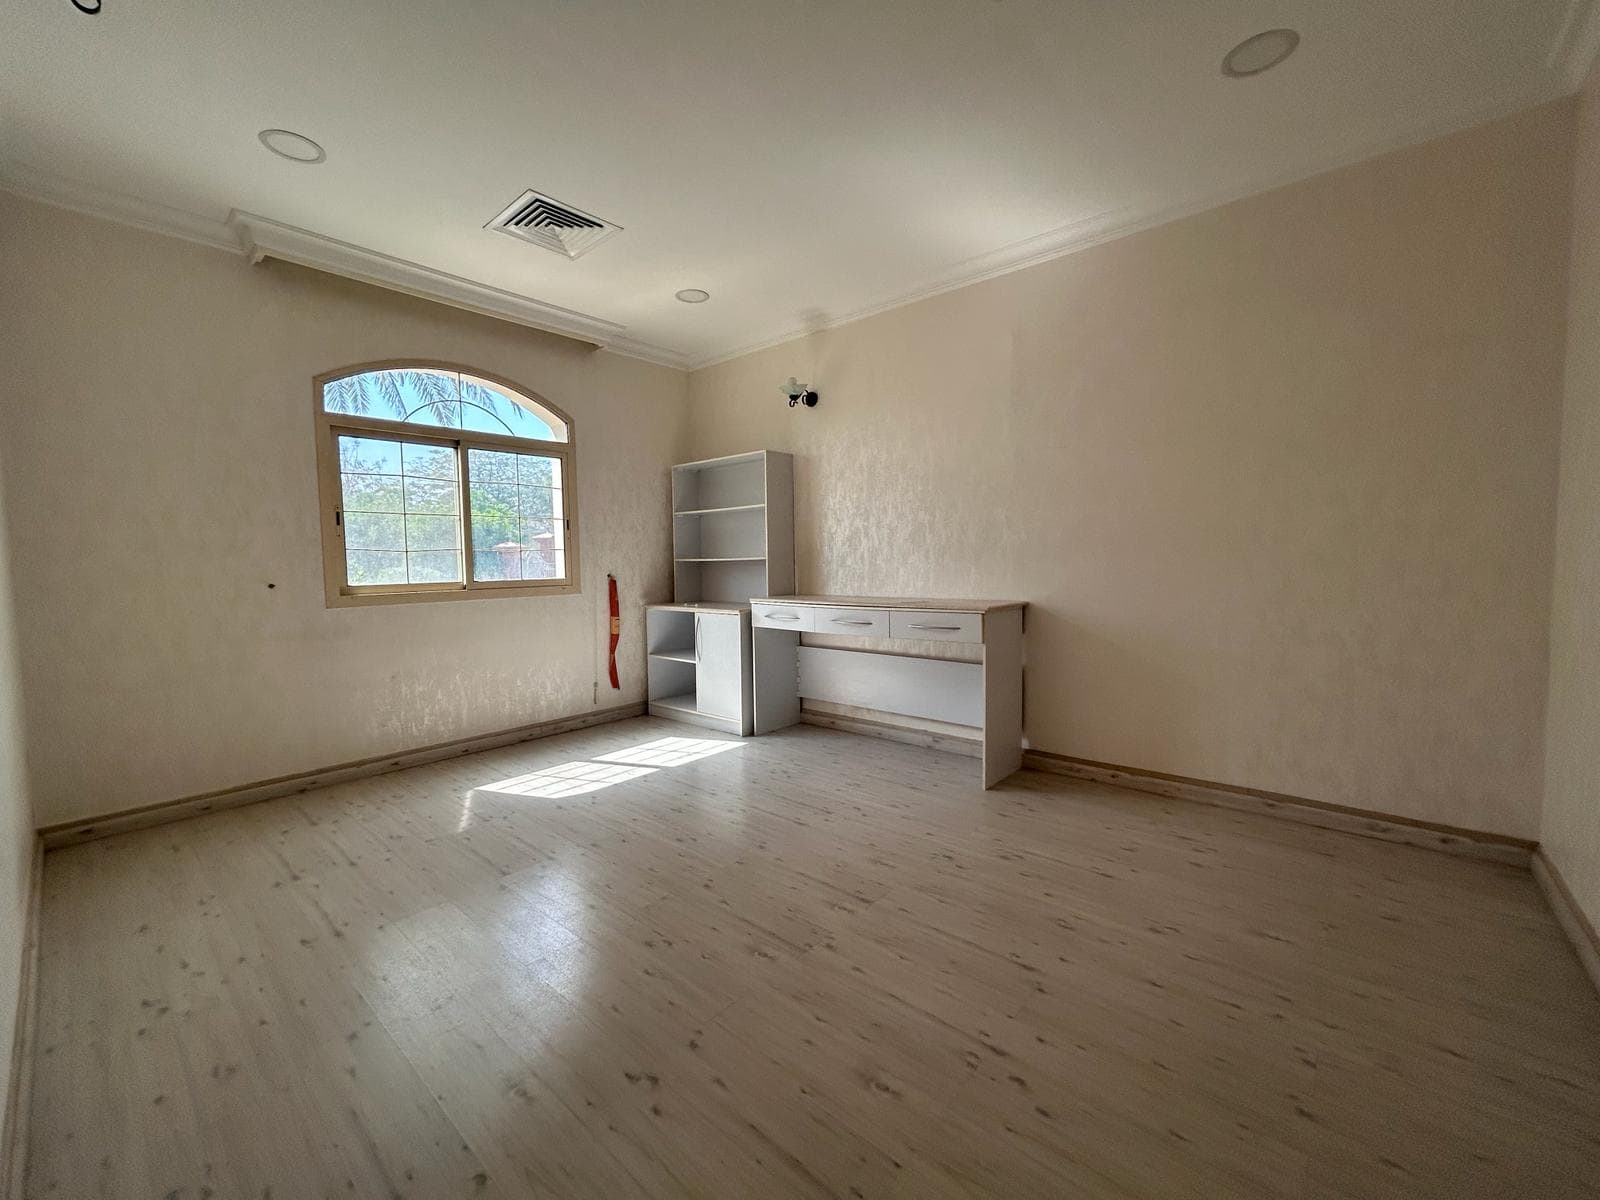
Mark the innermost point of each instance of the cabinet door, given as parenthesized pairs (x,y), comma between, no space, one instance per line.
(719,669)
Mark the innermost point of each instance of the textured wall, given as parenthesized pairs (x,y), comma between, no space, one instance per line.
(16,820)
(1571,833)
(1277,479)
(157,439)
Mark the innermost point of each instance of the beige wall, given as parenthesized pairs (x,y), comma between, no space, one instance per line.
(1571,833)
(156,429)
(1278,480)
(16,823)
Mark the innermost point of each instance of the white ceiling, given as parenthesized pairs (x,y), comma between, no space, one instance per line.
(803,160)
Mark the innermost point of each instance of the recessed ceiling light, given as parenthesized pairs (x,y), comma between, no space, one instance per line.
(1259,53)
(693,295)
(296,147)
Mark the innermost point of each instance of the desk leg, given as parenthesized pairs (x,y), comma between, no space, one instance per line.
(1002,694)
(775,667)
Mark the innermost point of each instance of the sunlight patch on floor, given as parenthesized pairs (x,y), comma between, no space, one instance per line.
(604,770)
(670,751)
(569,779)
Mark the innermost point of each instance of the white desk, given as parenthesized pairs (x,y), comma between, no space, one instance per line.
(985,695)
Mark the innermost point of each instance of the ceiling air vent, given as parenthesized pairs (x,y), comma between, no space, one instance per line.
(555,226)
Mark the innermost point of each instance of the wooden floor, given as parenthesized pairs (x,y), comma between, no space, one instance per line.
(635,961)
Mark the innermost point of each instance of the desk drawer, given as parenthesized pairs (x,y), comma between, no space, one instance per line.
(852,622)
(796,618)
(936,626)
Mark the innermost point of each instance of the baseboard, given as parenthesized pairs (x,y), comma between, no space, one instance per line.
(19,1089)
(72,832)
(894,733)
(1383,826)
(1573,920)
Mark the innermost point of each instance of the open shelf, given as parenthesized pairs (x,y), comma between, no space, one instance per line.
(727,508)
(732,529)
(739,481)
(684,703)
(683,656)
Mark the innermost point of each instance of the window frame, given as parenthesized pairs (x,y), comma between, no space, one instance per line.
(330,427)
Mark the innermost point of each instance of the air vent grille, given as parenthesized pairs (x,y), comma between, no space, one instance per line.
(537,218)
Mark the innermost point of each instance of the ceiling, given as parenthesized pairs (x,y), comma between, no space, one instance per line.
(805,161)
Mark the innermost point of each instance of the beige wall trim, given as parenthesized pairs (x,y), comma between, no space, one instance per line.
(1363,822)
(1574,921)
(19,1089)
(931,739)
(71,832)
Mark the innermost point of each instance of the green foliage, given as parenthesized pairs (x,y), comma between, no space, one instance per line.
(401,499)
(430,397)
(494,521)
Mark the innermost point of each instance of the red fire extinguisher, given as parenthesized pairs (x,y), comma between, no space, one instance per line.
(616,629)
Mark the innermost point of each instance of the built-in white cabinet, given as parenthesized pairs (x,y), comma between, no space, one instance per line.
(699,666)
(732,538)
(721,681)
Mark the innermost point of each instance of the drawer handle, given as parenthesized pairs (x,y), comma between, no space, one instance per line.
(782,617)
(848,621)
(941,628)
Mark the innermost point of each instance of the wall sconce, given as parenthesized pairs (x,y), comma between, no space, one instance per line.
(799,393)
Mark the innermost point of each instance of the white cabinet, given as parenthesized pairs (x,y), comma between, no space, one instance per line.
(732,538)
(721,676)
(700,665)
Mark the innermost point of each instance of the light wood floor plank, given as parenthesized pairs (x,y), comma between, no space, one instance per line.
(642,961)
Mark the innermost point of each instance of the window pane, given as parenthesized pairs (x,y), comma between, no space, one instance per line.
(372,568)
(544,532)
(434,566)
(538,502)
(374,531)
(431,533)
(428,462)
(442,399)
(544,564)
(371,456)
(431,496)
(373,493)
(490,565)
(493,466)
(537,471)
(517,527)
(402,525)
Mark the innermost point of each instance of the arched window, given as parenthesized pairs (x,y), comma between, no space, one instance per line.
(441,483)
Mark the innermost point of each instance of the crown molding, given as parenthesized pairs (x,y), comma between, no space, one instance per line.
(262,238)
(1096,230)
(258,237)
(648,352)
(60,192)
(1571,58)
(1578,43)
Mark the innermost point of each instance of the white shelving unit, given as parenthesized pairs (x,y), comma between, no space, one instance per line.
(732,538)
(733,528)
